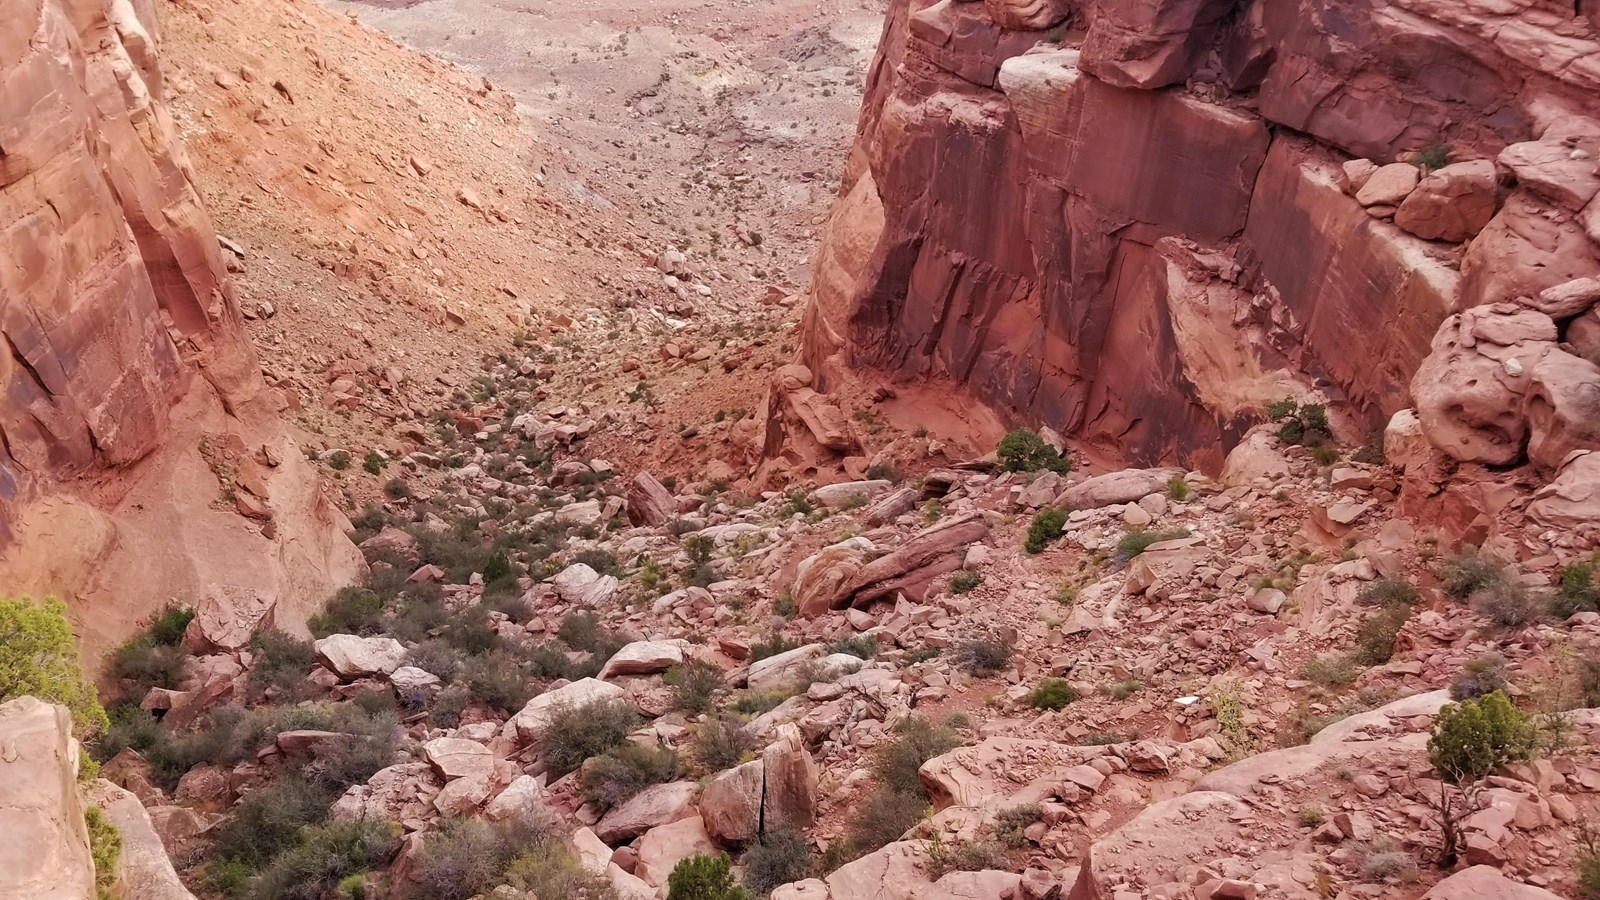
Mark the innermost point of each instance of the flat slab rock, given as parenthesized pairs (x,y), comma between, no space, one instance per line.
(351,656)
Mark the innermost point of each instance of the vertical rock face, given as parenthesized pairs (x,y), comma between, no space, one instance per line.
(123,348)
(44,842)
(1130,220)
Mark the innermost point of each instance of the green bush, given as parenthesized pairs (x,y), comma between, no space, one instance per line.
(396,489)
(616,777)
(702,877)
(1330,670)
(354,610)
(1011,822)
(436,657)
(862,646)
(142,664)
(1138,540)
(982,653)
(1589,874)
(582,631)
(1025,451)
(39,659)
(1481,676)
(1468,572)
(339,459)
(499,679)
(779,857)
(756,702)
(167,628)
(1469,739)
(269,821)
(325,856)
(693,685)
(374,462)
(881,819)
(1578,591)
(1385,591)
(1052,693)
(964,582)
(282,663)
(772,646)
(916,741)
(1047,526)
(1375,639)
(468,857)
(105,848)
(721,743)
(577,733)
(551,869)
(1178,488)
(1506,603)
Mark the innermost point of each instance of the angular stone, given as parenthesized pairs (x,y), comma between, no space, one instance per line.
(351,656)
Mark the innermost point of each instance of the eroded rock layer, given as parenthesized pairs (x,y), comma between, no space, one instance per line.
(1138,223)
(123,352)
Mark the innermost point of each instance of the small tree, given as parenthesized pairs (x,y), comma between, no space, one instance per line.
(39,659)
(1469,739)
(702,877)
(1025,451)
(1046,526)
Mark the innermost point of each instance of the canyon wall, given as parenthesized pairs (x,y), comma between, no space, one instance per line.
(142,460)
(1140,222)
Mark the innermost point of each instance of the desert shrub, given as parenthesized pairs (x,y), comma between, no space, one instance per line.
(721,743)
(1480,677)
(549,660)
(1052,693)
(435,657)
(467,857)
(1122,690)
(1046,527)
(1577,591)
(615,777)
(1506,603)
(702,877)
(1588,871)
(167,628)
(1469,572)
(551,869)
(863,646)
(499,679)
(693,685)
(1178,488)
(396,489)
(882,818)
(142,664)
(339,459)
(582,631)
(1385,591)
(772,646)
(982,653)
(325,856)
(1469,739)
(470,631)
(798,504)
(1589,681)
(282,662)
(756,702)
(699,550)
(785,607)
(38,658)
(270,820)
(1330,670)
(415,618)
(1311,815)
(601,561)
(963,856)
(779,857)
(1382,865)
(1375,638)
(579,732)
(354,610)
(1306,425)
(1138,540)
(105,849)
(916,741)
(1025,451)
(964,582)
(1011,823)
(1432,157)
(369,745)
(448,705)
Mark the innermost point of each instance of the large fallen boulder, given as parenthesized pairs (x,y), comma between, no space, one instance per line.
(659,804)
(1126,486)
(351,656)
(529,724)
(913,566)
(649,502)
(644,658)
(820,578)
(1485,883)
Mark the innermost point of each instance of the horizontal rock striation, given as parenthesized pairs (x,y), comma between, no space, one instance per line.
(123,349)
(1136,222)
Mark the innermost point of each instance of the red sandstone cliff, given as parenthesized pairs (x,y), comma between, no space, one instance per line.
(1131,220)
(141,457)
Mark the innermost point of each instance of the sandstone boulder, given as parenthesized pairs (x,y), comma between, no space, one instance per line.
(662,848)
(821,576)
(911,567)
(1552,170)
(781,670)
(1485,883)
(456,758)
(1565,300)
(1451,204)
(1572,498)
(644,658)
(227,618)
(44,851)
(1126,486)
(1562,409)
(351,656)
(1389,186)
(846,492)
(731,804)
(1469,390)
(1257,456)
(595,856)
(146,870)
(789,786)
(649,502)
(393,543)
(578,583)
(398,793)
(529,724)
(660,804)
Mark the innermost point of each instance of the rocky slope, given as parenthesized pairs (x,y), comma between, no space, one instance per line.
(141,454)
(1138,223)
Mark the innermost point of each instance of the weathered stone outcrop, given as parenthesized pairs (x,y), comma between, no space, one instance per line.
(133,402)
(1140,229)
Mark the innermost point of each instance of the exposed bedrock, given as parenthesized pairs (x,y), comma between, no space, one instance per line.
(1143,221)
